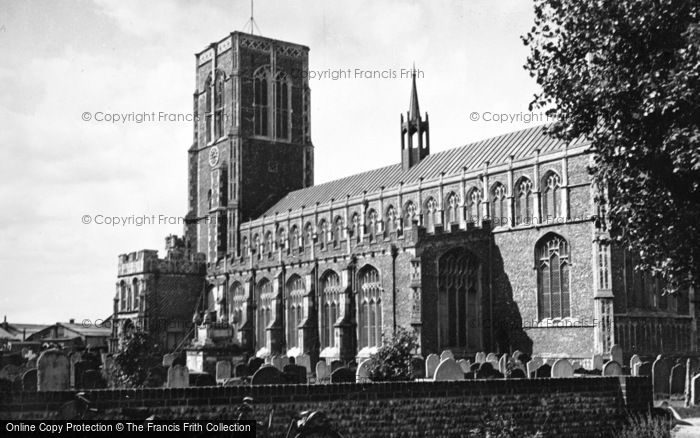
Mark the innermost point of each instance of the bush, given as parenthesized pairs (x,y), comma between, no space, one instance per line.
(392,361)
(493,425)
(646,426)
(138,353)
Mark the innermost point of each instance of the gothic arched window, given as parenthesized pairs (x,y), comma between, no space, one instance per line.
(260,102)
(282,238)
(499,212)
(282,105)
(430,213)
(269,242)
(219,105)
(136,292)
(551,197)
(208,108)
(294,237)
(337,231)
(474,205)
(452,208)
(256,244)
(244,247)
(295,309)
(235,311)
(458,300)
(356,227)
(409,214)
(264,311)
(330,307)
(552,262)
(393,222)
(373,224)
(323,232)
(308,235)
(523,201)
(369,305)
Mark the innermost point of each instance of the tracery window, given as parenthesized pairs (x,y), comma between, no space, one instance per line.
(430,213)
(523,202)
(338,231)
(294,237)
(136,291)
(330,307)
(499,210)
(458,300)
(551,197)
(552,258)
(474,206)
(373,224)
(295,309)
(355,220)
(392,220)
(219,105)
(264,311)
(452,208)
(236,303)
(410,213)
(369,308)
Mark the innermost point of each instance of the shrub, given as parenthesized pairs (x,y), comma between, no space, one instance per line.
(646,426)
(392,361)
(137,354)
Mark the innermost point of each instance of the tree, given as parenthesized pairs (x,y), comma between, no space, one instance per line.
(138,353)
(625,74)
(392,361)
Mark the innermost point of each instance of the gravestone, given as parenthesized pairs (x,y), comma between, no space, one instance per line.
(322,371)
(503,363)
(616,353)
(465,365)
(343,375)
(336,364)
(241,370)
(178,377)
(362,373)
(480,357)
(677,379)
(695,390)
(223,370)
(597,360)
(294,373)
(562,368)
(516,373)
(447,354)
(448,369)
(267,375)
(660,375)
(305,361)
(92,380)
(431,362)
(644,369)
(418,367)
(533,365)
(493,358)
(53,371)
(277,362)
(254,363)
(29,380)
(634,360)
(612,368)
(544,371)
(168,359)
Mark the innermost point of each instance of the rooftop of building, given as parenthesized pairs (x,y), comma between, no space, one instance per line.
(497,150)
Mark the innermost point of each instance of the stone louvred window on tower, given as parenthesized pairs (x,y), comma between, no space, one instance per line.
(260,102)
(219,105)
(552,259)
(282,106)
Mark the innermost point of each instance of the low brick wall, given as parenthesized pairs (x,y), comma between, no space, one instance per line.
(572,407)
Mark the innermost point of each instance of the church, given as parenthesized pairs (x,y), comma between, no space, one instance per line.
(495,245)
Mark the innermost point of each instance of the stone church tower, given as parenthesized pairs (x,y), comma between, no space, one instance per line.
(252,136)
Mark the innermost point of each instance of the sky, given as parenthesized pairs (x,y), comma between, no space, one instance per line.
(63,59)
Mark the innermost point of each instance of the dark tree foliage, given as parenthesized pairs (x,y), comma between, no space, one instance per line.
(392,361)
(138,353)
(626,75)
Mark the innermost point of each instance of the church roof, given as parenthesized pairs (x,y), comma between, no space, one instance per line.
(497,150)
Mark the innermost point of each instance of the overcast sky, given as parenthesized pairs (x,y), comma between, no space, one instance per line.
(64,58)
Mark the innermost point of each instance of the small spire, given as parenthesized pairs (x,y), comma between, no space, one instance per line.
(413,110)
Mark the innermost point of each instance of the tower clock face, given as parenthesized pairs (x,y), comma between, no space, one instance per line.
(213,156)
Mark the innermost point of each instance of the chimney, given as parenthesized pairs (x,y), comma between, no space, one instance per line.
(71,321)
